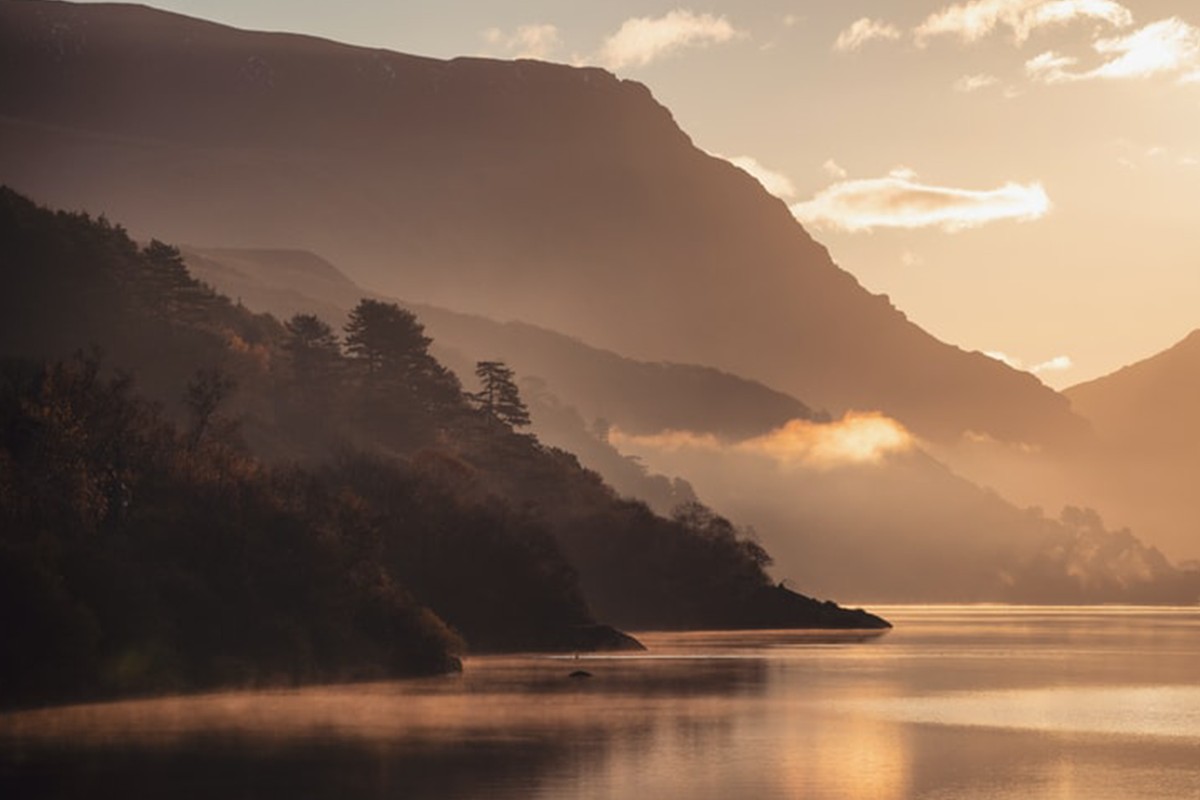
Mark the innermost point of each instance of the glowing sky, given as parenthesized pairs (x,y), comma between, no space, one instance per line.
(1021,177)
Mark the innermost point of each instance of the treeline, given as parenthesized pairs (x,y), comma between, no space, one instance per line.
(139,557)
(297,504)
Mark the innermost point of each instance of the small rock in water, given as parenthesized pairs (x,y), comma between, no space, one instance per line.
(580,673)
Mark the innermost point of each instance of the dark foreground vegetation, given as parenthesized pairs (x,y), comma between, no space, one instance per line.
(195,495)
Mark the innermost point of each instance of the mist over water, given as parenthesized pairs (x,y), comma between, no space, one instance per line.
(981,702)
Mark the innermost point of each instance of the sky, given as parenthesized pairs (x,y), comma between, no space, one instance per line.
(1020,177)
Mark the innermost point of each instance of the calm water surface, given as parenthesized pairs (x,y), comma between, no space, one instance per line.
(973,702)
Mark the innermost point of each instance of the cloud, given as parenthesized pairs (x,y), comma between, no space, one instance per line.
(857,438)
(1134,156)
(641,40)
(862,31)
(973,83)
(1004,358)
(1056,364)
(1169,45)
(1050,67)
(776,183)
(911,259)
(528,41)
(1164,47)
(977,19)
(833,169)
(899,201)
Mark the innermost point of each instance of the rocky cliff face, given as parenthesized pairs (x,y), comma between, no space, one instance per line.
(560,196)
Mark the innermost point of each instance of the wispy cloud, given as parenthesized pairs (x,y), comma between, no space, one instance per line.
(973,83)
(1050,67)
(865,30)
(1056,364)
(527,41)
(975,20)
(857,438)
(898,200)
(641,40)
(774,182)
(833,169)
(1168,46)
(1136,156)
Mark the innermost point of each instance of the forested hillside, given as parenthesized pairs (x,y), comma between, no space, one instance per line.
(220,496)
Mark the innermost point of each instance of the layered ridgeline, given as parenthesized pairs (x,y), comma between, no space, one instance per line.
(559,196)
(1140,465)
(1144,466)
(847,507)
(292,510)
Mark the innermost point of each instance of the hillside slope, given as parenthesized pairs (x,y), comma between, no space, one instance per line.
(1143,469)
(904,528)
(1150,404)
(558,196)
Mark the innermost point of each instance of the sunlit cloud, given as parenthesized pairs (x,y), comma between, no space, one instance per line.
(641,40)
(527,41)
(774,182)
(1169,46)
(1004,358)
(857,438)
(833,169)
(865,30)
(975,20)
(899,201)
(1050,67)
(973,83)
(1056,364)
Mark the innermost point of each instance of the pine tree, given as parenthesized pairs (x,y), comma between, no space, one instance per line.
(392,346)
(498,395)
(314,351)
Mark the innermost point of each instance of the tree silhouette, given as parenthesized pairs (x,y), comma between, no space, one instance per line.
(386,338)
(314,351)
(400,378)
(499,396)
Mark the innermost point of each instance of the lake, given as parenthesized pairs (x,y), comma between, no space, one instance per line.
(987,703)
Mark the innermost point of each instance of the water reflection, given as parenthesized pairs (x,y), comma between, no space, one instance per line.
(971,702)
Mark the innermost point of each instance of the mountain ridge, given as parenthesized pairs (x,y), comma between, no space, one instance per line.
(921,515)
(561,196)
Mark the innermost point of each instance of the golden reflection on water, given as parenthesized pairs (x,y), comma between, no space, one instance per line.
(991,703)
(862,756)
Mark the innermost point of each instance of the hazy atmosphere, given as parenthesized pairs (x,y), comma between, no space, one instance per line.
(1017,180)
(498,399)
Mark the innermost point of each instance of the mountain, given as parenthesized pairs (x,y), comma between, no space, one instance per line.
(1150,405)
(904,528)
(640,396)
(559,196)
(1143,469)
